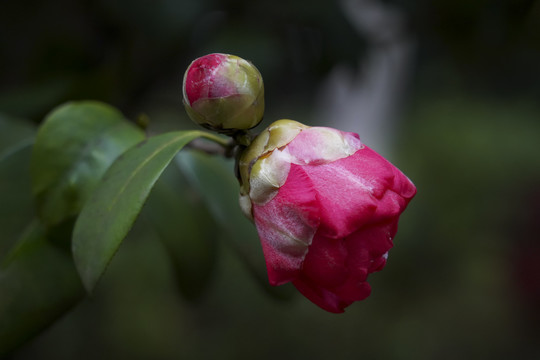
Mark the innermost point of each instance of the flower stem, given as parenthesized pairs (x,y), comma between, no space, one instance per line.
(218,145)
(242,137)
(226,143)
(230,148)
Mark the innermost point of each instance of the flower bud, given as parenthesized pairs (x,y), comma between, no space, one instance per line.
(326,208)
(223,93)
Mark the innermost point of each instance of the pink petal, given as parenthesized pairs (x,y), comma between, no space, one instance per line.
(325,262)
(353,290)
(321,145)
(199,79)
(395,200)
(286,226)
(356,191)
(403,185)
(368,247)
(205,79)
(345,194)
(330,278)
(321,297)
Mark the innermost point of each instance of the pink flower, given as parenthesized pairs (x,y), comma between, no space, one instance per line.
(326,208)
(223,93)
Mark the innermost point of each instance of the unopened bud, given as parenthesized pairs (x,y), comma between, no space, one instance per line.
(223,93)
(326,208)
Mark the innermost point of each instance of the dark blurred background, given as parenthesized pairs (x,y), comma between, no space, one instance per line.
(448,90)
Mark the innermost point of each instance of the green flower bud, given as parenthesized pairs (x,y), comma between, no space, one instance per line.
(223,93)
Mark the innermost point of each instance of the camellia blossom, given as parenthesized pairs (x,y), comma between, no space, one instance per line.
(224,93)
(326,208)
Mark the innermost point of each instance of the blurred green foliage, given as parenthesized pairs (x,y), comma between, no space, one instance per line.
(463,280)
(74,146)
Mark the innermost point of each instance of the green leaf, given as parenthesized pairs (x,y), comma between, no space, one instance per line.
(74,146)
(37,285)
(215,181)
(187,230)
(110,212)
